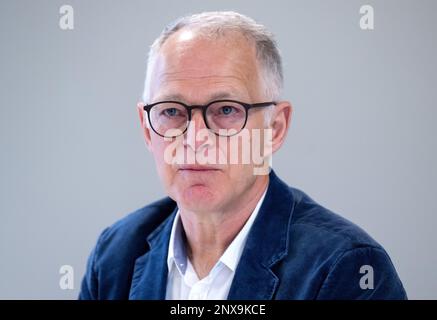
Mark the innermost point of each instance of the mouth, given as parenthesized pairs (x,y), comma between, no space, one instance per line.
(197,168)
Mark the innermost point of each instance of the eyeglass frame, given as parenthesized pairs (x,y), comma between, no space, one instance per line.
(204,108)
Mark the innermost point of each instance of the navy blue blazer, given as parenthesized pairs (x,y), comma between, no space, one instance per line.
(296,249)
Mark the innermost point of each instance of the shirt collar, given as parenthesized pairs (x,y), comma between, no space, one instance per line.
(232,254)
(177,255)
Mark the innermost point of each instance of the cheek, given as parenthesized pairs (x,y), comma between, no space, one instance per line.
(158,148)
(161,149)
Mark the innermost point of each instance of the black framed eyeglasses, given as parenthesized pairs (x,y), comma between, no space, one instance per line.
(170,119)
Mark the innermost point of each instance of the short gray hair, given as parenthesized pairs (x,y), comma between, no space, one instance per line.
(216,24)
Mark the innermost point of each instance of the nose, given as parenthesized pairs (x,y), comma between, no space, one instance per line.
(195,137)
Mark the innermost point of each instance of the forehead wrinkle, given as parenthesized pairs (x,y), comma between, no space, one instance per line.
(183,75)
(219,86)
(219,95)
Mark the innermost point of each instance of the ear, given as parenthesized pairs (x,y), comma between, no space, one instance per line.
(144,126)
(280,123)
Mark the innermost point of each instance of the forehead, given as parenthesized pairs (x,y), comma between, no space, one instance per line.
(196,67)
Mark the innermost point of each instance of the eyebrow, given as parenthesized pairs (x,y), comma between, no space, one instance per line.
(216,96)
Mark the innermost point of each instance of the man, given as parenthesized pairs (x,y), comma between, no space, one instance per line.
(227,230)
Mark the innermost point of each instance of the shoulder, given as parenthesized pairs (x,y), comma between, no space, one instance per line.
(312,220)
(131,232)
(336,254)
(111,263)
(143,220)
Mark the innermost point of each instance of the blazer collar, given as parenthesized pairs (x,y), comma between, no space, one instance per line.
(149,280)
(266,245)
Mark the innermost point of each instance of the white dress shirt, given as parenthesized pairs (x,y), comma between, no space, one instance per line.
(182,280)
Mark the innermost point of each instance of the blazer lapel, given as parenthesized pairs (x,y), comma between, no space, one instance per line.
(266,245)
(149,280)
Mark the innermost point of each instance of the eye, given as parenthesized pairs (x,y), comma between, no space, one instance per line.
(170,112)
(226,110)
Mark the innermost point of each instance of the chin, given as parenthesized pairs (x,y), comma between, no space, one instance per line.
(198,198)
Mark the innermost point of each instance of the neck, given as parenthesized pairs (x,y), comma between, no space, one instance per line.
(208,235)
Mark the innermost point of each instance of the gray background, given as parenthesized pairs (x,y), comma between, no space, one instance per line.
(73,161)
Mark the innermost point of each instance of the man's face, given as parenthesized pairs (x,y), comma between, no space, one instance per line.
(195,70)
